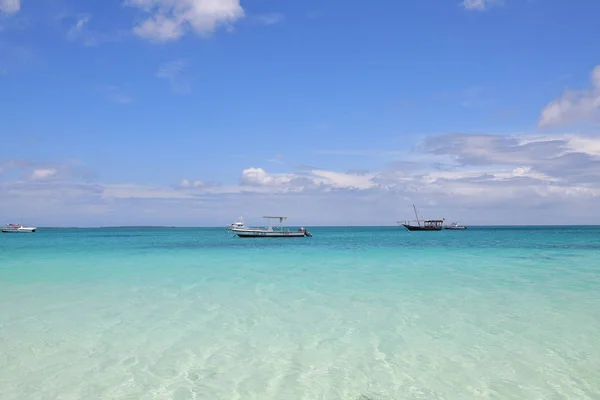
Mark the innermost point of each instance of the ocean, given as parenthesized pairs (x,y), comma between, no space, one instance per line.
(353,313)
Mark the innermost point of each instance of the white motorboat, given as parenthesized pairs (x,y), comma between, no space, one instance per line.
(455,227)
(271,232)
(17,228)
(239,223)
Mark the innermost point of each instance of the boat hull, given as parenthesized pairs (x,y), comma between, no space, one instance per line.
(267,234)
(18,230)
(270,234)
(422,228)
(455,228)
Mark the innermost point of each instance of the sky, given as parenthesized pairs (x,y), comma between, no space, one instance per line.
(195,112)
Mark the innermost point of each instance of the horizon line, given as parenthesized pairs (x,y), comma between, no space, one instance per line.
(315,226)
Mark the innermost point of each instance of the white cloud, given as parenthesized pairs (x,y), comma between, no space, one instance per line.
(488,175)
(344,180)
(170,19)
(479,5)
(185,183)
(315,178)
(571,143)
(27,171)
(260,177)
(42,174)
(79,24)
(574,106)
(582,144)
(568,159)
(10,6)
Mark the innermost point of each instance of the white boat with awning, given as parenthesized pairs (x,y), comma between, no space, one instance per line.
(271,231)
(17,228)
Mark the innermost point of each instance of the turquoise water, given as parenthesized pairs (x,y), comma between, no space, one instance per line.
(352,313)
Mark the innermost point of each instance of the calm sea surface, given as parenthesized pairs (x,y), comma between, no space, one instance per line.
(349,314)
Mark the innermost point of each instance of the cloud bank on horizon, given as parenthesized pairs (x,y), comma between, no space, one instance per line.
(545,170)
(479,178)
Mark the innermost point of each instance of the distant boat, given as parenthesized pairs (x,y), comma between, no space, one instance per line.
(239,223)
(423,224)
(270,232)
(455,227)
(17,228)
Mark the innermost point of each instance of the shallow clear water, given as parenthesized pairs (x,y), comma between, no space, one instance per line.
(352,313)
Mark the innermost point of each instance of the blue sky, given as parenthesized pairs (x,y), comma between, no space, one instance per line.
(193,112)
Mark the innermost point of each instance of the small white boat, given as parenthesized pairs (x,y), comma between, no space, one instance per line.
(455,227)
(271,232)
(239,223)
(17,228)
